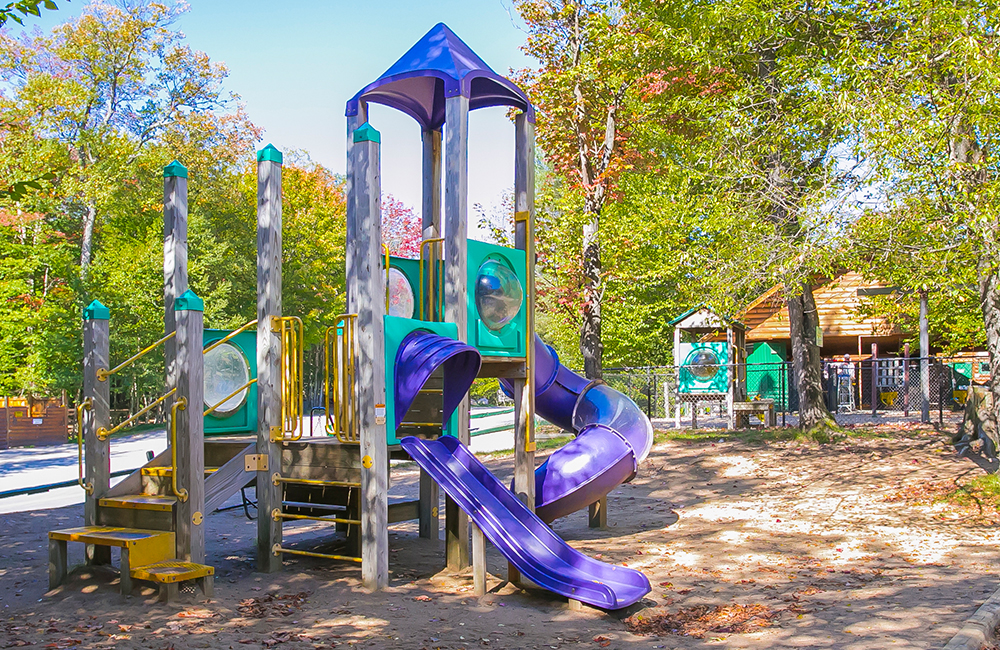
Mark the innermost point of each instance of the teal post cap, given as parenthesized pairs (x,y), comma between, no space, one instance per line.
(367,133)
(96,311)
(271,153)
(189,301)
(175,170)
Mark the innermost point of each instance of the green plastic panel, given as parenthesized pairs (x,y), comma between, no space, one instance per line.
(509,341)
(707,378)
(244,419)
(396,329)
(410,269)
(767,376)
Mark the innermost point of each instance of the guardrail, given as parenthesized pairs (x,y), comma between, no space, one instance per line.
(432,259)
(338,344)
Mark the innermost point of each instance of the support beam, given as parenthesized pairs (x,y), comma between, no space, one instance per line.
(524,392)
(190,531)
(97,472)
(478,561)
(456,222)
(269,162)
(175,258)
(925,353)
(431,229)
(365,297)
(598,516)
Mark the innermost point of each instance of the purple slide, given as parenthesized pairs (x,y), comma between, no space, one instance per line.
(538,553)
(613,436)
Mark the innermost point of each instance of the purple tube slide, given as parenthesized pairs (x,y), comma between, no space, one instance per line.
(613,436)
(538,553)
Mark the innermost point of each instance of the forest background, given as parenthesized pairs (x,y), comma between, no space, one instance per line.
(689,152)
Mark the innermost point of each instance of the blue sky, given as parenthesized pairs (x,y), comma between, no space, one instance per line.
(295,63)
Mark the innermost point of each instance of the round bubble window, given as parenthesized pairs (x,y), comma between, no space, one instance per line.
(226,369)
(401,299)
(703,363)
(498,294)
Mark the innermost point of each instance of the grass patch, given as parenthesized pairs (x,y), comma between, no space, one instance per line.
(821,435)
(981,492)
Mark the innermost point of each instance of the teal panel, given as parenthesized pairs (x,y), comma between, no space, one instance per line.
(712,376)
(410,269)
(396,329)
(243,419)
(962,373)
(510,340)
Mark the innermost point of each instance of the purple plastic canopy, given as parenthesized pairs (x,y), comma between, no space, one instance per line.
(440,65)
(419,355)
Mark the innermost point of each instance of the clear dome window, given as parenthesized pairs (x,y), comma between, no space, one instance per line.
(702,363)
(498,294)
(226,369)
(401,298)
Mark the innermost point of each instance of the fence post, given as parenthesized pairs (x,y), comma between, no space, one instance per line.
(925,353)
(906,380)
(190,470)
(96,356)
(874,378)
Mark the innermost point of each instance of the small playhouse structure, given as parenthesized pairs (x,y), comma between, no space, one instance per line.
(398,367)
(710,359)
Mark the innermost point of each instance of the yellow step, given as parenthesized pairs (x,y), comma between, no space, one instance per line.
(167,471)
(144,546)
(169,571)
(140,502)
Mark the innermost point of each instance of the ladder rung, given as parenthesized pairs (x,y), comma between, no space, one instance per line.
(276,515)
(421,424)
(277,479)
(348,558)
(431,390)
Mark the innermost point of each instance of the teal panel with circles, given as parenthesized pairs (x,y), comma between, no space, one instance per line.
(497,297)
(704,367)
(226,368)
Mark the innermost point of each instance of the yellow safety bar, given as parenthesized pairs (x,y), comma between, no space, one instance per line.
(229,336)
(232,394)
(180,404)
(104,434)
(432,258)
(292,335)
(102,374)
(385,249)
(343,423)
(85,404)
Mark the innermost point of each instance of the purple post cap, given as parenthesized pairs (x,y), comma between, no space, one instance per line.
(440,65)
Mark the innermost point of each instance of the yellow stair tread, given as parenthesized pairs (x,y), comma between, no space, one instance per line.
(107,535)
(140,502)
(169,571)
(168,471)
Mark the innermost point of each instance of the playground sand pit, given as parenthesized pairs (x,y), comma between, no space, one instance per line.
(747,545)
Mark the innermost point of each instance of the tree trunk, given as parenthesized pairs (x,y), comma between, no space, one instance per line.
(989,301)
(591,345)
(87,241)
(807,369)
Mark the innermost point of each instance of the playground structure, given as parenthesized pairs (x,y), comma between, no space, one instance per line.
(399,365)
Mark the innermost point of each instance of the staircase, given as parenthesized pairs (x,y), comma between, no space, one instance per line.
(139,516)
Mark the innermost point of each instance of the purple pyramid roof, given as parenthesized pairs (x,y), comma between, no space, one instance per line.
(440,65)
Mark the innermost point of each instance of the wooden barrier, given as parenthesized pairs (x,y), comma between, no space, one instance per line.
(28,422)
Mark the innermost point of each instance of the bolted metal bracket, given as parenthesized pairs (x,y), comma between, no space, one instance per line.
(255,462)
(197,518)
(276,514)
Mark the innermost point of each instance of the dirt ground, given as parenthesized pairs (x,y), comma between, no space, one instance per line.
(811,544)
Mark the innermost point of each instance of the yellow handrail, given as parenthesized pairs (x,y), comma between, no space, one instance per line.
(433,272)
(229,336)
(292,333)
(344,405)
(102,374)
(232,394)
(180,404)
(85,404)
(385,249)
(104,434)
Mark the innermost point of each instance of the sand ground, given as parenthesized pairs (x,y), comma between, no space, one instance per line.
(809,534)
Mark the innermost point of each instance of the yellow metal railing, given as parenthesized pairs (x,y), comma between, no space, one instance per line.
(338,352)
(102,374)
(229,336)
(292,334)
(104,434)
(385,249)
(85,404)
(232,394)
(181,405)
(428,305)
